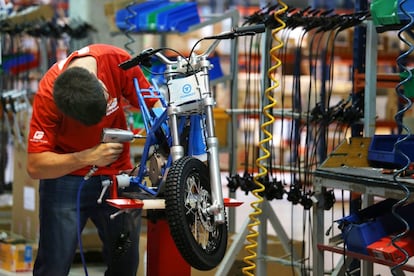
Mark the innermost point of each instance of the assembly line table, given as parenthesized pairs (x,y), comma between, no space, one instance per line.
(367,181)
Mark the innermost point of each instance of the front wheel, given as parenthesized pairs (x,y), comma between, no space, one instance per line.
(201,242)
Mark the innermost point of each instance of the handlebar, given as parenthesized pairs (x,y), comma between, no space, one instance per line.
(240,31)
(144,58)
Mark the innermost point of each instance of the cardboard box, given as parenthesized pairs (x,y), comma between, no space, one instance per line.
(5,217)
(25,209)
(17,257)
(221,126)
(17,254)
(385,250)
(25,189)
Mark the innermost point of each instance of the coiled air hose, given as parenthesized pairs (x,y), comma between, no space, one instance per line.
(253,233)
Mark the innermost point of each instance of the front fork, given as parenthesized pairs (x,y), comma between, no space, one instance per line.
(177,152)
(217,208)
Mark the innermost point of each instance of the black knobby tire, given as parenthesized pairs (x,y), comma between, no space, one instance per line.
(186,196)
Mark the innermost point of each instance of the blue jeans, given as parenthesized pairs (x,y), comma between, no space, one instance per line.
(58,227)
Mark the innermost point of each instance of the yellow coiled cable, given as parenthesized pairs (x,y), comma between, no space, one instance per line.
(255,222)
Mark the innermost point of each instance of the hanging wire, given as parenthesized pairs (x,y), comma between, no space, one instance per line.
(253,234)
(250,123)
(286,32)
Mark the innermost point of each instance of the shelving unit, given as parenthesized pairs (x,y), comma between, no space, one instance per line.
(323,180)
(370,183)
(367,181)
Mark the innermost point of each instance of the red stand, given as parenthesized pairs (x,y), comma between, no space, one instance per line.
(163,257)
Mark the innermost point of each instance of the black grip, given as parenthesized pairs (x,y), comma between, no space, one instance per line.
(130,63)
(258,28)
(240,31)
(142,59)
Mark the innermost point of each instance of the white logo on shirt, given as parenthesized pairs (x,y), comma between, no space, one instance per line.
(112,106)
(38,135)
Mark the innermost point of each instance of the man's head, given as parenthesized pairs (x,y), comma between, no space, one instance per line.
(80,95)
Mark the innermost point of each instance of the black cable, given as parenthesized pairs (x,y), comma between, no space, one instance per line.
(247,117)
(284,54)
(313,70)
(323,127)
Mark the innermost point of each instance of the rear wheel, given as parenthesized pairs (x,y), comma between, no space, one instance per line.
(201,242)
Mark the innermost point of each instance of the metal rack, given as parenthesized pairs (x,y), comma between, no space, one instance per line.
(367,181)
(268,214)
(364,180)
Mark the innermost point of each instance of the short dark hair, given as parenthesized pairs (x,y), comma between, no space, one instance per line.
(80,95)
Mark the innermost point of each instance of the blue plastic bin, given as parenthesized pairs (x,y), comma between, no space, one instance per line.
(216,72)
(366,226)
(408,6)
(143,23)
(184,24)
(362,228)
(381,151)
(158,15)
(358,236)
(9,62)
(152,17)
(127,17)
(178,18)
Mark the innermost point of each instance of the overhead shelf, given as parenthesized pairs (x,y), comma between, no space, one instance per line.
(166,16)
(158,16)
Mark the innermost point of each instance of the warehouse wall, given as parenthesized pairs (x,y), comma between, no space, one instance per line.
(93,12)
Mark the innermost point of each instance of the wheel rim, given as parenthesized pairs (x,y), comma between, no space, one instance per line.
(201,242)
(196,203)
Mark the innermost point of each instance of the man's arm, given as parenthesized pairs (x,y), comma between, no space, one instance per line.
(48,164)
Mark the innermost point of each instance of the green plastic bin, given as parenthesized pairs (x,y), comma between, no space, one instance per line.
(385,12)
(152,16)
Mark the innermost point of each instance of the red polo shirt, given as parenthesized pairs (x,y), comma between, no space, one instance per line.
(50,130)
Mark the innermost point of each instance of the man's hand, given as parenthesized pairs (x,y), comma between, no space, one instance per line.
(49,164)
(105,154)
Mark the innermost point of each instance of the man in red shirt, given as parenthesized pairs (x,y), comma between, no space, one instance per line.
(76,99)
